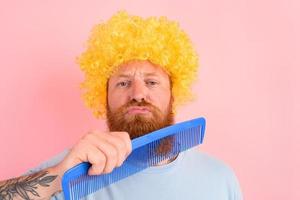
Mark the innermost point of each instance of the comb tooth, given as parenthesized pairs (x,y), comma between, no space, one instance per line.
(82,187)
(192,136)
(71,191)
(150,154)
(89,185)
(74,187)
(183,139)
(77,188)
(156,158)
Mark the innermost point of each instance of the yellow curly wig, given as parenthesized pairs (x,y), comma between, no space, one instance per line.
(124,38)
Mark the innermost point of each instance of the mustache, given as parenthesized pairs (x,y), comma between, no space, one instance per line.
(142,103)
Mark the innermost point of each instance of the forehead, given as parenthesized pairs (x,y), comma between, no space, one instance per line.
(140,68)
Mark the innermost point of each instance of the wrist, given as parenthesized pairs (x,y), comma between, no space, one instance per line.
(58,172)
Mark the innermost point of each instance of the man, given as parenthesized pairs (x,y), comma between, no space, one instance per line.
(137,72)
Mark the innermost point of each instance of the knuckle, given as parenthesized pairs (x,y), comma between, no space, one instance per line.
(96,158)
(99,160)
(123,134)
(122,146)
(113,153)
(126,135)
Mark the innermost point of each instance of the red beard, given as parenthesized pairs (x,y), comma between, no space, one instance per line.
(138,125)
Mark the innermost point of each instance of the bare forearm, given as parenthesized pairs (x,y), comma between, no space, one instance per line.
(38,186)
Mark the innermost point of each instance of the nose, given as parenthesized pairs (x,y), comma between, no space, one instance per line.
(138,91)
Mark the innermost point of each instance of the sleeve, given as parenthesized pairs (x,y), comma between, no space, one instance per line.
(49,163)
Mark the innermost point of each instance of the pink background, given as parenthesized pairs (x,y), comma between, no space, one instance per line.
(248,83)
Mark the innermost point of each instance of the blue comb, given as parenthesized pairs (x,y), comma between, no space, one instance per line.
(147,151)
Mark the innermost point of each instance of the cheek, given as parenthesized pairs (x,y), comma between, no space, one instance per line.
(162,100)
(113,99)
(116,100)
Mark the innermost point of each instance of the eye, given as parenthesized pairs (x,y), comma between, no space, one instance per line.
(151,83)
(123,84)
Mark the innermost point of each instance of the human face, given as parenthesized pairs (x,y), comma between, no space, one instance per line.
(139,98)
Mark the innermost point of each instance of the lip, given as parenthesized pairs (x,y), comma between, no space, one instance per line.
(137,110)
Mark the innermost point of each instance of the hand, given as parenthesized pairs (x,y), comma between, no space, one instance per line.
(104,150)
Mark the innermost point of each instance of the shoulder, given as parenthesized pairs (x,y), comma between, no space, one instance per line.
(214,171)
(205,161)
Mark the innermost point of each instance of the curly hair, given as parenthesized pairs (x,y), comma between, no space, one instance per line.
(124,38)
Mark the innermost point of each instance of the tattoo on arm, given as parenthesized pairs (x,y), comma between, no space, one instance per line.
(26,185)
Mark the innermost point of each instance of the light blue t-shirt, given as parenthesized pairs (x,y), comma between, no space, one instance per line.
(192,176)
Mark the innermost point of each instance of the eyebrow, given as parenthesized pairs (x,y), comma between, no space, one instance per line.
(127,76)
(123,76)
(151,74)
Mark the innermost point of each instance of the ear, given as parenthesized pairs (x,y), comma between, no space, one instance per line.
(171,87)
(172,98)
(107,86)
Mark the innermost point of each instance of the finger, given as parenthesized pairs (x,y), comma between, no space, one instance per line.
(111,154)
(98,160)
(124,136)
(121,146)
